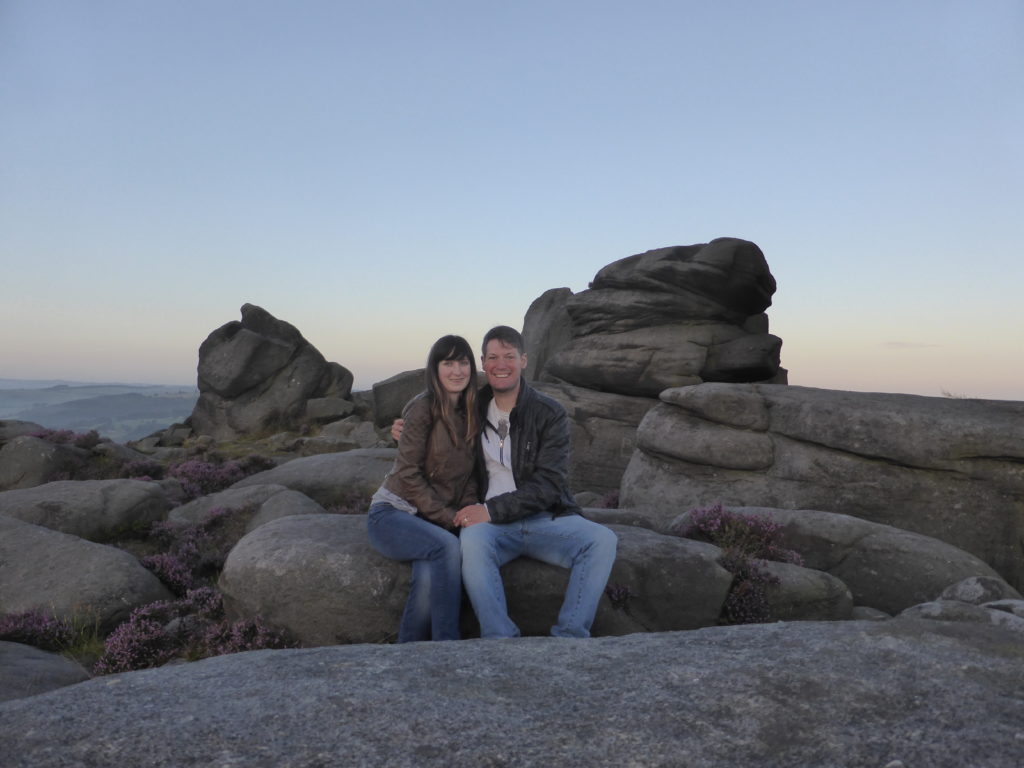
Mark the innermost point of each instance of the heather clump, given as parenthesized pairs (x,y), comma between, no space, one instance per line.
(193,555)
(200,477)
(143,469)
(190,628)
(755,536)
(618,595)
(86,440)
(37,628)
(746,541)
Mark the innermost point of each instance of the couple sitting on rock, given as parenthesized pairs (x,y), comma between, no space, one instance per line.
(481,478)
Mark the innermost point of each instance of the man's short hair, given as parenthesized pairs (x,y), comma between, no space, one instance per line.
(506,335)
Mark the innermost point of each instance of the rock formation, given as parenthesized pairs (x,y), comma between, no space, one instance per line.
(895,693)
(69,577)
(91,509)
(257,376)
(27,671)
(660,319)
(947,468)
(331,478)
(899,505)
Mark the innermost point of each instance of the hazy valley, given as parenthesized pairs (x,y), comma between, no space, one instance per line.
(119,411)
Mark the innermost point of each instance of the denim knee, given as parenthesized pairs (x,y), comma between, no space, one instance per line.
(605,541)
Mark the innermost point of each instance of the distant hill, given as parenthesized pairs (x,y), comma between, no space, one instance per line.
(121,412)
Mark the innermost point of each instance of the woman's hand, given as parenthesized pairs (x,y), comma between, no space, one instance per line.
(396,428)
(471,515)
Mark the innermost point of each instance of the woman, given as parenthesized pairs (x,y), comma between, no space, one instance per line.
(412,515)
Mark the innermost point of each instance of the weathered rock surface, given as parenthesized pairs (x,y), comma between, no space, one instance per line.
(318,577)
(331,478)
(326,409)
(90,509)
(947,468)
(603,427)
(70,577)
(885,567)
(26,671)
(664,318)
(978,590)
(391,395)
(12,428)
(353,432)
(27,461)
(954,610)
(257,375)
(547,328)
(671,317)
(803,594)
(856,694)
(266,502)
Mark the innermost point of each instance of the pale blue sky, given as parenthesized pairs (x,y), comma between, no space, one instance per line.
(381,173)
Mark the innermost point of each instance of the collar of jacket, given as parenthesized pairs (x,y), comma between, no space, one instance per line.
(486,394)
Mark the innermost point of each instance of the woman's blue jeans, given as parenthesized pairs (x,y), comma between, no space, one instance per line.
(570,541)
(435,593)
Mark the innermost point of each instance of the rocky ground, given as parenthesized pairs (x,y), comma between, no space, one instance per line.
(898,693)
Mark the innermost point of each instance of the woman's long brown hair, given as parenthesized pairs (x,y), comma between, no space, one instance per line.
(452,348)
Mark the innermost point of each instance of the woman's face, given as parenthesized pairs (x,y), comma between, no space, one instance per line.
(454,375)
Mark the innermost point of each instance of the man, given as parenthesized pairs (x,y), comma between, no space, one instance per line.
(528,509)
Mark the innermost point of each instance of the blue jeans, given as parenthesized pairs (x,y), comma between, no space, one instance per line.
(570,541)
(435,592)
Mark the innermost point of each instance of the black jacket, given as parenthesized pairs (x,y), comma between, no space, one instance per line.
(539,428)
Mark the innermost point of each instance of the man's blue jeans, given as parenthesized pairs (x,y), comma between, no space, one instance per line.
(570,541)
(435,593)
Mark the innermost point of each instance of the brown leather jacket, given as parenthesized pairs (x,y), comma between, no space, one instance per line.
(430,472)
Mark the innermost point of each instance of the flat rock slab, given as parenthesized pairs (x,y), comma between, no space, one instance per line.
(923,693)
(26,671)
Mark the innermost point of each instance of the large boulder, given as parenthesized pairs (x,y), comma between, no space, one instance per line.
(665,318)
(391,395)
(547,328)
(330,479)
(97,510)
(27,461)
(893,693)
(69,577)
(942,467)
(885,568)
(251,498)
(26,671)
(257,376)
(953,610)
(319,577)
(670,317)
(12,428)
(603,430)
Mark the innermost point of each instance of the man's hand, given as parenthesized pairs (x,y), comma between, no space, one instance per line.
(471,515)
(396,428)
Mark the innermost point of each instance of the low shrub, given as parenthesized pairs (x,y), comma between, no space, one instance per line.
(193,555)
(200,478)
(618,595)
(746,541)
(191,628)
(755,536)
(37,628)
(86,440)
(143,469)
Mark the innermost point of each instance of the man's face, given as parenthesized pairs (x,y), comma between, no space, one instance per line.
(503,365)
